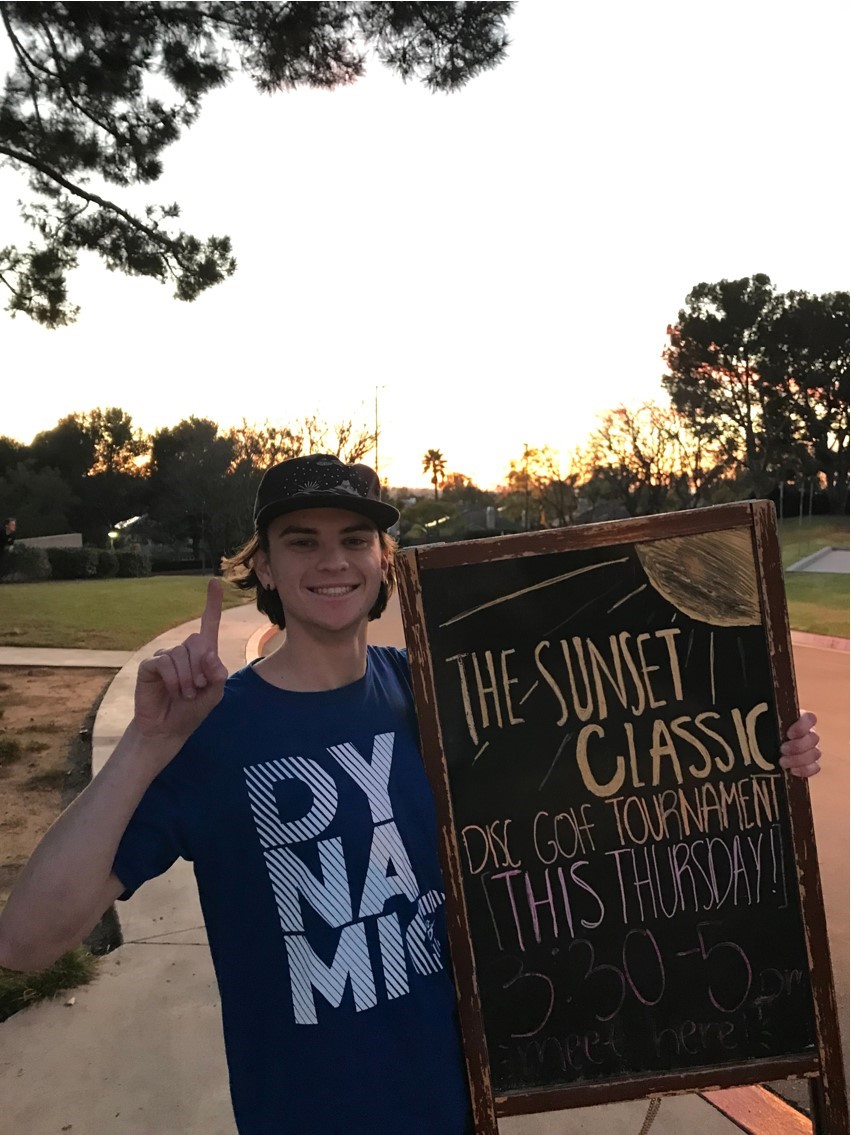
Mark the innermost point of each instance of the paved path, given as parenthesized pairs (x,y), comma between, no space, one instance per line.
(55,656)
(825,559)
(140,1050)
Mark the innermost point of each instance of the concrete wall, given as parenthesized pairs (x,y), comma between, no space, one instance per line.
(63,540)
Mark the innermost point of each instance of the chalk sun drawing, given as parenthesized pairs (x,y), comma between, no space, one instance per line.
(710,576)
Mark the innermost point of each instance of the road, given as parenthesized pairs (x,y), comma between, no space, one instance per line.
(822,679)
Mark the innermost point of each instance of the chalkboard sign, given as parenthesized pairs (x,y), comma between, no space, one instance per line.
(600,712)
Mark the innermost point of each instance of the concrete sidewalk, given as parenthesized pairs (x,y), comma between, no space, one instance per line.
(140,1050)
(57,656)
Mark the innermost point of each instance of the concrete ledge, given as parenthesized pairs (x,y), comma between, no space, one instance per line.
(687,1114)
(759,1112)
(254,646)
(825,560)
(821,641)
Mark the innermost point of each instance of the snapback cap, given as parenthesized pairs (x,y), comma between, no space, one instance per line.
(320,480)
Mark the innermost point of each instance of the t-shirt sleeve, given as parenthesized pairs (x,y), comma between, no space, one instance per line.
(154,838)
(398,659)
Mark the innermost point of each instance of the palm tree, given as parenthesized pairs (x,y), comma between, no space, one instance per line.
(436,462)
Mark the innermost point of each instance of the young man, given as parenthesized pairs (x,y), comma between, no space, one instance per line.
(298,791)
(7,535)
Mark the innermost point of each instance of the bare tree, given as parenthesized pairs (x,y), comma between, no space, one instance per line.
(651,459)
(546,488)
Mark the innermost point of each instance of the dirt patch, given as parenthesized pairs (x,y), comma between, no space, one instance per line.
(46,720)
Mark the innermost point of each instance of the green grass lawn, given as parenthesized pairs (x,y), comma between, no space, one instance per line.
(124,614)
(101,614)
(817,601)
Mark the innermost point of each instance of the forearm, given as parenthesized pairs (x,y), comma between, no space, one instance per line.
(66,885)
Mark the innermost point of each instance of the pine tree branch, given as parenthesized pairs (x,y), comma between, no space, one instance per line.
(24,59)
(62,80)
(91,198)
(6,283)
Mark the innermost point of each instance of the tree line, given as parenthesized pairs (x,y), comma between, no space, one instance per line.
(189,488)
(757,385)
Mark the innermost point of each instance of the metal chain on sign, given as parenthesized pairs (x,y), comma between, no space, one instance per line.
(652,1112)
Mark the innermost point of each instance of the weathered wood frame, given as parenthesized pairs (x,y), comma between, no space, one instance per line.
(824,1067)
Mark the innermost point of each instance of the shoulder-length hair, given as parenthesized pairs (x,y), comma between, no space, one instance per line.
(238,569)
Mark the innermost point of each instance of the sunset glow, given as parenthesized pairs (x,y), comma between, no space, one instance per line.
(499,266)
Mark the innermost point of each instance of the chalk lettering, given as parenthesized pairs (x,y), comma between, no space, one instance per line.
(607,765)
(734,964)
(598,787)
(567,834)
(645,996)
(465,696)
(487,691)
(507,683)
(485,696)
(540,983)
(646,671)
(693,1037)
(600,669)
(490,845)
(589,673)
(540,905)
(661,746)
(573,1052)
(676,814)
(551,682)
(772,984)
(700,875)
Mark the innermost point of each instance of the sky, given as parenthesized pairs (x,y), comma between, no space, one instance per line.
(495,267)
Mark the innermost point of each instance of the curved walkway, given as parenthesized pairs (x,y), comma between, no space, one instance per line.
(140,1050)
(59,656)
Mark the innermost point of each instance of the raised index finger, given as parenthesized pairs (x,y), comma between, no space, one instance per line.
(212,615)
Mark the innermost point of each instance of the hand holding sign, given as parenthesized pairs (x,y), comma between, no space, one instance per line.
(178,688)
(799,753)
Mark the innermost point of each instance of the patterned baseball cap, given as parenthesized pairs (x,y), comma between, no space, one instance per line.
(321,481)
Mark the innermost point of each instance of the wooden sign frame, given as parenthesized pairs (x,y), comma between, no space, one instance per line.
(822,1064)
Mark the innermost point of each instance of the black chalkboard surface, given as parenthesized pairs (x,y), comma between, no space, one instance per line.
(601,712)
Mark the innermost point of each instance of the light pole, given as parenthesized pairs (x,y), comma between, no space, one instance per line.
(376,430)
(526,485)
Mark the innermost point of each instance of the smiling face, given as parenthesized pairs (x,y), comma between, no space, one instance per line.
(326,565)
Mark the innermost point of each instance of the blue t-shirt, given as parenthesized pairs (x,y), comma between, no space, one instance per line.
(310,823)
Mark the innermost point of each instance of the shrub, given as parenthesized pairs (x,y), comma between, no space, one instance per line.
(73,563)
(19,990)
(161,567)
(107,565)
(133,562)
(10,751)
(23,564)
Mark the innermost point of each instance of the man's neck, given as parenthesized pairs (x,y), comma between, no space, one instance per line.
(310,663)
